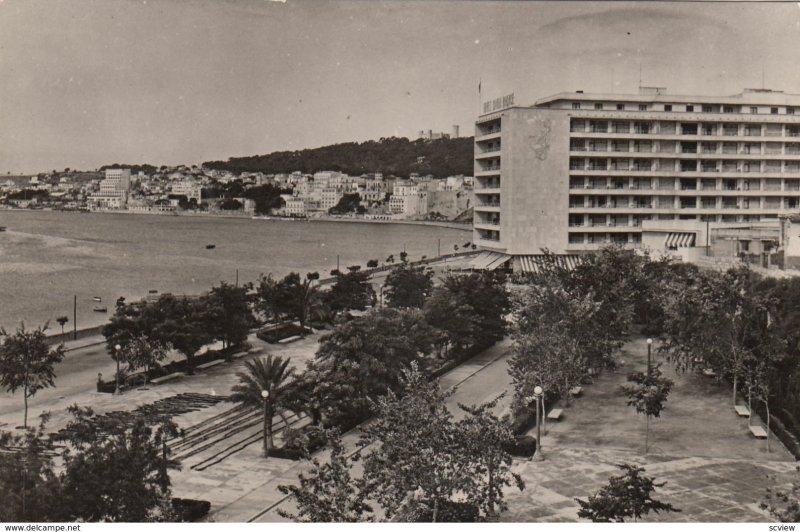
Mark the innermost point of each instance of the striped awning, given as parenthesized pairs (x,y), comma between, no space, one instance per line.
(488,260)
(535,263)
(499,261)
(680,240)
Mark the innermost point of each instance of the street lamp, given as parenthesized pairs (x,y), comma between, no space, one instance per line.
(538,394)
(649,347)
(117,349)
(265,397)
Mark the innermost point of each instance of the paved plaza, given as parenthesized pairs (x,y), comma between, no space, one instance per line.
(715,470)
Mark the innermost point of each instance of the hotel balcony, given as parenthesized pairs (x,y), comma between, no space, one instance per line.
(484,137)
(489,154)
(487,190)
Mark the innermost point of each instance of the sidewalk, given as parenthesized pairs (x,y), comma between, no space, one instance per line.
(245,487)
(715,470)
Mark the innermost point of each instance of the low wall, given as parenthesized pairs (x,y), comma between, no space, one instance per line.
(70,335)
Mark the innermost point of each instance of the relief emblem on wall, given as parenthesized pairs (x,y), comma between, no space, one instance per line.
(540,141)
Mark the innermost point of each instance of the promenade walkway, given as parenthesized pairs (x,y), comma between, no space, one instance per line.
(715,470)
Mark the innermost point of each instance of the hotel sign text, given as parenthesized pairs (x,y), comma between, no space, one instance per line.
(498,103)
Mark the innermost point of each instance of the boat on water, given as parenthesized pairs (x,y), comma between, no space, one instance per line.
(97,298)
(210,246)
(99,308)
(3,228)
(152,291)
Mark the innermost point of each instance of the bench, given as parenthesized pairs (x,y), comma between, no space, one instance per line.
(576,391)
(742,411)
(758,431)
(166,378)
(708,372)
(555,414)
(211,364)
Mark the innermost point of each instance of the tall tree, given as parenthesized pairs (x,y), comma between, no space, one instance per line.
(140,352)
(554,334)
(408,287)
(365,357)
(470,310)
(180,322)
(351,291)
(269,374)
(29,486)
(626,496)
(419,449)
(228,313)
(27,362)
(115,471)
(328,493)
(416,448)
(485,438)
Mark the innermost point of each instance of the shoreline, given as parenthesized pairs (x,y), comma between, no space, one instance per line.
(84,332)
(467,227)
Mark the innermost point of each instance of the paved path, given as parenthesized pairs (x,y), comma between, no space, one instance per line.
(715,470)
(246,489)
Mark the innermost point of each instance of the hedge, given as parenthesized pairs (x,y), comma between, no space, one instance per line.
(190,510)
(449,512)
(521,446)
(281,332)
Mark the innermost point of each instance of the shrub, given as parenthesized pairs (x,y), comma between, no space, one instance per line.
(281,332)
(523,421)
(190,510)
(449,512)
(521,446)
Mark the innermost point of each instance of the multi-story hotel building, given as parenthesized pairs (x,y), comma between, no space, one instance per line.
(575,171)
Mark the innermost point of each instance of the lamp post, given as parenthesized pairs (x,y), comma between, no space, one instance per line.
(538,393)
(649,347)
(117,349)
(381,292)
(265,397)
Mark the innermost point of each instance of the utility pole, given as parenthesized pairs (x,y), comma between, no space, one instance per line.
(237,277)
(337,262)
(75,317)
(438,247)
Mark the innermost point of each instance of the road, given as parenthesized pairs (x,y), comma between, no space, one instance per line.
(75,375)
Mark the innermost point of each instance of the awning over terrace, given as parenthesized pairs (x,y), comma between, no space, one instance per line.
(489,260)
(680,240)
(534,263)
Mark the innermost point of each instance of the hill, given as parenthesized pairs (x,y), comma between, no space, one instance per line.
(391,156)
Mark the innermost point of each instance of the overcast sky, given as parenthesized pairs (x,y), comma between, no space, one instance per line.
(85,83)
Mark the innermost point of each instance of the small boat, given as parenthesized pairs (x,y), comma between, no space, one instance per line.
(152,291)
(97,298)
(100,309)
(3,228)
(210,246)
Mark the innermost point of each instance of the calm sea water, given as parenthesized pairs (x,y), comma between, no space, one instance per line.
(46,258)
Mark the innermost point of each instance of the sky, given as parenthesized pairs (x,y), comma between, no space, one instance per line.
(85,83)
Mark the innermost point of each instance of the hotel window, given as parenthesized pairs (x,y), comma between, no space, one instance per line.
(620,107)
(598,106)
(643,107)
(668,107)
(707,109)
(690,108)
(727,109)
(576,105)
(773,110)
(754,110)
(790,110)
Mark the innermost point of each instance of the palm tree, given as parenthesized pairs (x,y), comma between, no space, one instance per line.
(264,375)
